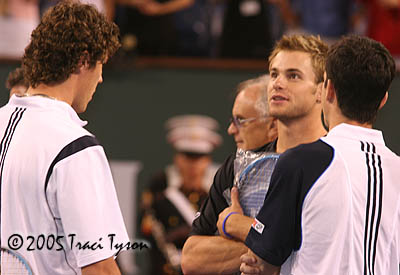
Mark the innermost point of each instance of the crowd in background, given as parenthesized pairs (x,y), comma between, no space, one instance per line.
(215,28)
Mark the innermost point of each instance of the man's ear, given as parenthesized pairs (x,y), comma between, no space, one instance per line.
(83,62)
(273,124)
(384,100)
(330,93)
(272,129)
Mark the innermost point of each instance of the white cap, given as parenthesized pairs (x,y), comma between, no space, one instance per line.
(193,133)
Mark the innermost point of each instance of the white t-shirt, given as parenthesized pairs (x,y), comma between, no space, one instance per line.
(55,183)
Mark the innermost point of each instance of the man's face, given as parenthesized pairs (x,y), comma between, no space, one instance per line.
(292,91)
(252,134)
(91,77)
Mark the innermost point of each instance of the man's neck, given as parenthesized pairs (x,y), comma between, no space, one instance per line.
(295,132)
(339,118)
(62,92)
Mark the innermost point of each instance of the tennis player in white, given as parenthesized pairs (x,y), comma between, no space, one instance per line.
(333,206)
(59,208)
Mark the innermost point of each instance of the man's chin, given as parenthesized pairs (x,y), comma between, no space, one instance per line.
(240,145)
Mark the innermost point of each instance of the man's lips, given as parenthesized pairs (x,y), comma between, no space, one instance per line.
(279,98)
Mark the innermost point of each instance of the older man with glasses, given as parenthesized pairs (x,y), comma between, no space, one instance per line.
(250,126)
(253,129)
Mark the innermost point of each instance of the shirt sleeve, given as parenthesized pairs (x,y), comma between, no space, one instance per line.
(88,205)
(277,231)
(274,232)
(215,203)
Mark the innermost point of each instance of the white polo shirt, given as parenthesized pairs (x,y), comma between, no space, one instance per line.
(333,207)
(55,183)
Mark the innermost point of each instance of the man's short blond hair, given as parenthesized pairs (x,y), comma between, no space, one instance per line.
(310,44)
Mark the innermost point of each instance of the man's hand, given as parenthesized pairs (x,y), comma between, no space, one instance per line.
(251,264)
(235,207)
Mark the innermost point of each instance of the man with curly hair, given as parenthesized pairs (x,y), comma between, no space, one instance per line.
(57,192)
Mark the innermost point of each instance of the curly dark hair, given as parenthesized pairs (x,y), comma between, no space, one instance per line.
(69,34)
(361,71)
(16,78)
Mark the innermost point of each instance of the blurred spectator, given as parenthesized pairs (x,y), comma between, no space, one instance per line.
(151,24)
(176,193)
(104,6)
(16,82)
(246,30)
(193,29)
(17,20)
(328,18)
(383,23)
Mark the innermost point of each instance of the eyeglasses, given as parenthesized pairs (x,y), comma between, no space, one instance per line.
(239,122)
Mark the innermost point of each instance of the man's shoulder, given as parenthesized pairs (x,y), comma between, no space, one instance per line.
(301,167)
(224,175)
(308,155)
(71,136)
(49,128)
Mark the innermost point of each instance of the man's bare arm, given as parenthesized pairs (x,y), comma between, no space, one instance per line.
(218,254)
(105,267)
(211,255)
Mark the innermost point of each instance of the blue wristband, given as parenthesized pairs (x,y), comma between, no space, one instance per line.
(223,225)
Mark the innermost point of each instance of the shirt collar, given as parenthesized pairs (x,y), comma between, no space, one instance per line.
(357,133)
(47,103)
(269,147)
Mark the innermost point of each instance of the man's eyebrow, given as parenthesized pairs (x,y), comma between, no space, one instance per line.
(293,70)
(290,70)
